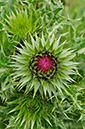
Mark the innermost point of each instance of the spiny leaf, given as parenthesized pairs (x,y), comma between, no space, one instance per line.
(46,118)
(59,48)
(36,87)
(43,40)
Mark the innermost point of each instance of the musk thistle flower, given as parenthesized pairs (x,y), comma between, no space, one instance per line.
(43,65)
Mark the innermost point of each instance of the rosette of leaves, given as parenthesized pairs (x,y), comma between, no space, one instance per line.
(24,111)
(43,65)
(29,113)
(50,12)
(19,23)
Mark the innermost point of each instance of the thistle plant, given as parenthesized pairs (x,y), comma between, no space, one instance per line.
(43,65)
(40,85)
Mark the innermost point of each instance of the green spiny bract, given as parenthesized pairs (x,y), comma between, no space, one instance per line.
(28,70)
